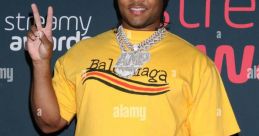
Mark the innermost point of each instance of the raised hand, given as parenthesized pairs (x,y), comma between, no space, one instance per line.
(39,39)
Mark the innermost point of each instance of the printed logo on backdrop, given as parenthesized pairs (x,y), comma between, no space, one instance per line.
(76,26)
(226,52)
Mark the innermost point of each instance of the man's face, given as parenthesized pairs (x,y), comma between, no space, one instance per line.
(140,14)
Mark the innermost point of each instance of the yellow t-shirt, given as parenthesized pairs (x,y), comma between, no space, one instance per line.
(177,93)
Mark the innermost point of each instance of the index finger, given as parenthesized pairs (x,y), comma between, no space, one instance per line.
(36,15)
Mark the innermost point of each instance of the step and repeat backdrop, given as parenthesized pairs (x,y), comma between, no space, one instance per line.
(226,30)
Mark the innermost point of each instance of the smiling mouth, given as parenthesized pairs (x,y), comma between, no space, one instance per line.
(137,10)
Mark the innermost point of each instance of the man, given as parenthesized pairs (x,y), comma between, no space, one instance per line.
(138,79)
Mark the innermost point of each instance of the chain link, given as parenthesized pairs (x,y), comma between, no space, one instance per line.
(144,45)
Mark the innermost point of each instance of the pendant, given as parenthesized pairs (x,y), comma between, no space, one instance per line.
(129,62)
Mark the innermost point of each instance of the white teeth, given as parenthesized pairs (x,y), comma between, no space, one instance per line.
(138,9)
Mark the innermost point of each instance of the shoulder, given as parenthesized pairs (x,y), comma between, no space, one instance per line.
(103,37)
(185,49)
(189,56)
(107,35)
(88,45)
(180,44)
(82,52)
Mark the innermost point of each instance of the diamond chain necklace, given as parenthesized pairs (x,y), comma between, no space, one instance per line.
(134,56)
(144,45)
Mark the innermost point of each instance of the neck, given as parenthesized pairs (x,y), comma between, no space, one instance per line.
(152,27)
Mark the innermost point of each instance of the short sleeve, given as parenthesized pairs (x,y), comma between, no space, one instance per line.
(64,91)
(211,113)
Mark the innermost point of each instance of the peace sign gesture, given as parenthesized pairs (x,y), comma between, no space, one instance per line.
(39,39)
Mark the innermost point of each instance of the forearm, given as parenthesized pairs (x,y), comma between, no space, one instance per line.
(43,99)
